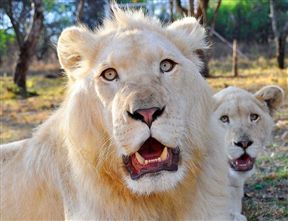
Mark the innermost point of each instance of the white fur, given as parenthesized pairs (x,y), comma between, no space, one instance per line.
(72,167)
(238,104)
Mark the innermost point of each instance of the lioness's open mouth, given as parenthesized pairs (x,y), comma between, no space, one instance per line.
(152,157)
(243,163)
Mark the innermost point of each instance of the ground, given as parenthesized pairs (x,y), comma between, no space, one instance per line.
(266,193)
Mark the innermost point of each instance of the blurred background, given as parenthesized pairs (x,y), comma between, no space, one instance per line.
(248,49)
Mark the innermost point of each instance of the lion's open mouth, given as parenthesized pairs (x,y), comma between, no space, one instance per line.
(243,163)
(152,157)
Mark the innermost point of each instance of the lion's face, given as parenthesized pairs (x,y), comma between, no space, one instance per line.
(141,94)
(247,121)
(147,84)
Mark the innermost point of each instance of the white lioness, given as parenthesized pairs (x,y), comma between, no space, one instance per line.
(248,122)
(134,138)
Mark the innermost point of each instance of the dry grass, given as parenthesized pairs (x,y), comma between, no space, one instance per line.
(266,192)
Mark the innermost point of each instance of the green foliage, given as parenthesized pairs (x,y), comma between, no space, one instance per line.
(5,39)
(247,20)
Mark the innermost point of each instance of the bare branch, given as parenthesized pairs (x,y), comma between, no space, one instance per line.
(212,25)
(79,10)
(180,8)
(19,36)
(202,10)
(191,8)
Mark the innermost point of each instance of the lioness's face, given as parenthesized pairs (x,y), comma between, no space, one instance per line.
(140,81)
(147,89)
(247,123)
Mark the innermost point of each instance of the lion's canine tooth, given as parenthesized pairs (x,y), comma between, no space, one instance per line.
(164,154)
(159,159)
(139,158)
(146,162)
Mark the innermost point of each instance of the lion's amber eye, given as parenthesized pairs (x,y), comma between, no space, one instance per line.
(224,119)
(254,117)
(109,74)
(167,65)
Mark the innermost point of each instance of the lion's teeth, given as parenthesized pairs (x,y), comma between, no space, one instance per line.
(164,154)
(139,158)
(159,159)
(146,162)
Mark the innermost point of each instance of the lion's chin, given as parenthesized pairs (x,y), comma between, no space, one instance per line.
(152,158)
(163,181)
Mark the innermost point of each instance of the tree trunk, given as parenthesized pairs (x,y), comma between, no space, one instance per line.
(191,8)
(28,47)
(202,11)
(281,51)
(213,21)
(279,36)
(171,7)
(203,56)
(235,59)
(79,10)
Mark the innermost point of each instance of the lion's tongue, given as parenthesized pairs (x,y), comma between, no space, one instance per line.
(243,163)
(151,149)
(152,157)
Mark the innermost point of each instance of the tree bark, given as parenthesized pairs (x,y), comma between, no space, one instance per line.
(281,40)
(235,59)
(79,10)
(171,7)
(191,8)
(28,47)
(18,34)
(279,37)
(213,21)
(203,56)
(202,11)
(180,9)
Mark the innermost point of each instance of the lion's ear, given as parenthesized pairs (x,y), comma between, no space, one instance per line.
(272,95)
(75,49)
(192,30)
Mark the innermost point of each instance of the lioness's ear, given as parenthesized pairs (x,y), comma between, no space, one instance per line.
(272,95)
(75,49)
(190,28)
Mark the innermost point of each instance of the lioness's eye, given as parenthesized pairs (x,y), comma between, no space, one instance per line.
(224,119)
(254,117)
(167,65)
(109,74)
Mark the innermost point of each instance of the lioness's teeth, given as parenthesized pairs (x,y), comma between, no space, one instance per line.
(139,158)
(159,159)
(146,161)
(164,154)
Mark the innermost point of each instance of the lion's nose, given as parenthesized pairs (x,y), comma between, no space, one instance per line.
(147,115)
(244,144)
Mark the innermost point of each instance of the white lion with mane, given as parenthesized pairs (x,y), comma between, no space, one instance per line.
(247,120)
(134,138)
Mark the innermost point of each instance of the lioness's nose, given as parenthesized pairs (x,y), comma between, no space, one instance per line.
(147,115)
(244,144)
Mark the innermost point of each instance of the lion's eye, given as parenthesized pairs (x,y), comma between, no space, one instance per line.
(254,117)
(167,65)
(109,74)
(224,119)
